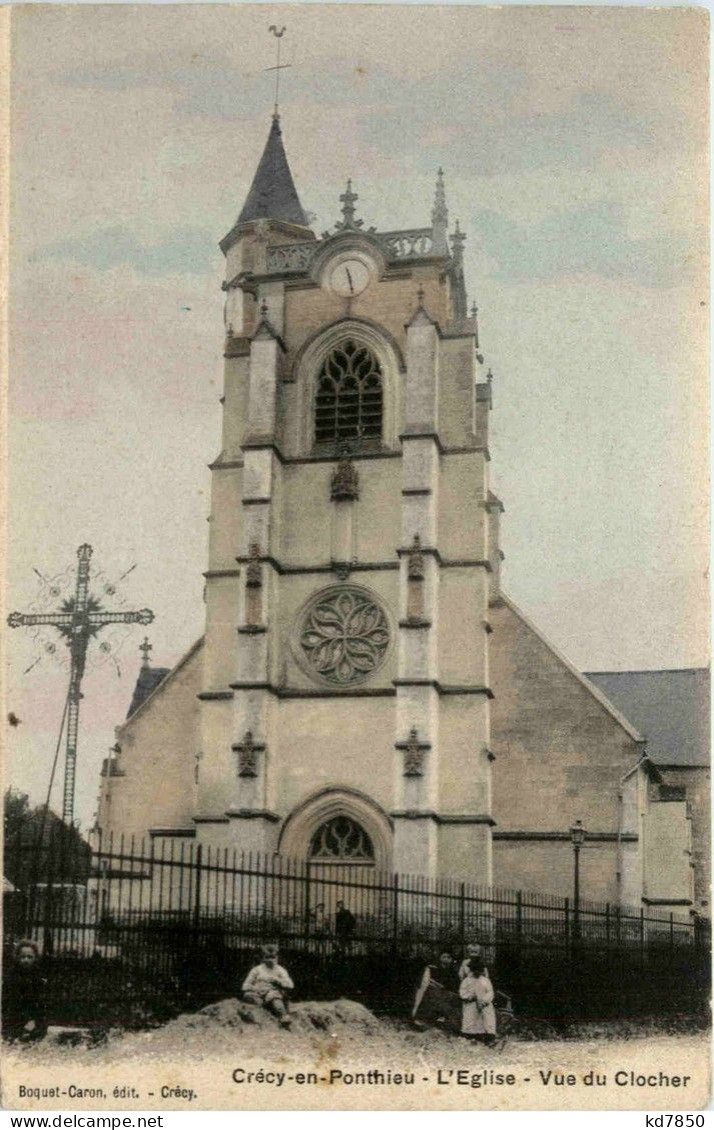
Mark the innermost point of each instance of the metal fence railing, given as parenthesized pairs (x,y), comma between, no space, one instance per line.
(160,917)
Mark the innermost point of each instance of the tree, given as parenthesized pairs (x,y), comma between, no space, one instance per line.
(39,847)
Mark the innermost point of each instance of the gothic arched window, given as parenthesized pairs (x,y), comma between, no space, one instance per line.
(348,401)
(341,840)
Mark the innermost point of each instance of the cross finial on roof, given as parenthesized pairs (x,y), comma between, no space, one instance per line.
(145,648)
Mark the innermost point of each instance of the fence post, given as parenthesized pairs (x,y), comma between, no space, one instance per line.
(395,911)
(197,889)
(671,931)
(566,909)
(306,913)
(48,909)
(642,935)
(462,914)
(519,917)
(607,922)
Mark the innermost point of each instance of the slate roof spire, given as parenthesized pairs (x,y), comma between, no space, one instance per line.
(273,195)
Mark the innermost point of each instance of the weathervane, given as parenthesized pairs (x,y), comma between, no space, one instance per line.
(278,33)
(79,619)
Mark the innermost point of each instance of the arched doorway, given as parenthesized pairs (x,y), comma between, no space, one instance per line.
(345,841)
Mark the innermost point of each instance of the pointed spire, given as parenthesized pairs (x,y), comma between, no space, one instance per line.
(273,195)
(457,244)
(474,318)
(347,199)
(440,217)
(440,211)
(458,294)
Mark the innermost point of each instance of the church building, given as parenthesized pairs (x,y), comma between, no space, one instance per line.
(365,690)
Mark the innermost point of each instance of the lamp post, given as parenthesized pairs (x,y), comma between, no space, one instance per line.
(577,838)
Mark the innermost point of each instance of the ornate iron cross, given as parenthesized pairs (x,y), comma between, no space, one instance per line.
(79,619)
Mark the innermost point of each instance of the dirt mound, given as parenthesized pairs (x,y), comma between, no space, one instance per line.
(236,1024)
(307,1016)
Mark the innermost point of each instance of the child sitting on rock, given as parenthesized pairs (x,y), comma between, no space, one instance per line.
(268,984)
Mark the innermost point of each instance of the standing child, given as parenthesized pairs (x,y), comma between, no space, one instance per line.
(268,984)
(479,1016)
(24,996)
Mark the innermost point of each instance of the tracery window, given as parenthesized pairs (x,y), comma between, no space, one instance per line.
(340,840)
(348,402)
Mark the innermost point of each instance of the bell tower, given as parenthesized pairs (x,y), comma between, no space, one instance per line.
(345,689)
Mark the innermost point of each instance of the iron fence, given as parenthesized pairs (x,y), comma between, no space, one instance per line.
(160,924)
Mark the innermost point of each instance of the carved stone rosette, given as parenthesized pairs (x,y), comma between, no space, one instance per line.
(343,635)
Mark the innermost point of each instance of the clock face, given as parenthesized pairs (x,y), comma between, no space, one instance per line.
(349,278)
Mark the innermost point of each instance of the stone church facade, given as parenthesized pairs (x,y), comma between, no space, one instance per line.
(364,690)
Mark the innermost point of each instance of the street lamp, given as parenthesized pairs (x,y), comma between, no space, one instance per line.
(577,838)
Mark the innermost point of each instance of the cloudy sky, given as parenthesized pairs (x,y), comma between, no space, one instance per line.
(573,142)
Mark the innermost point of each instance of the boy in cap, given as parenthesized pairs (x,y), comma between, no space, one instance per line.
(268,984)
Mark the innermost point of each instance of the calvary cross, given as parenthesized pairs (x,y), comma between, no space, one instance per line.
(79,618)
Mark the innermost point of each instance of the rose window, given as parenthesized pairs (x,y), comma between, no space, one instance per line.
(343,636)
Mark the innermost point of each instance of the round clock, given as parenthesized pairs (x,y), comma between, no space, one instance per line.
(349,277)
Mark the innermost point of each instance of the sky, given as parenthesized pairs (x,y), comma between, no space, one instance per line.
(573,142)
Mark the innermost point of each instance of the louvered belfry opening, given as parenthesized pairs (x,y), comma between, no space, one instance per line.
(348,405)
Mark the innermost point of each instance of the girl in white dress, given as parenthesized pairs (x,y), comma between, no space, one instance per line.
(478,1016)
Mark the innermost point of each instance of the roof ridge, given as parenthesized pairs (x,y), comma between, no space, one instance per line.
(582,678)
(650,671)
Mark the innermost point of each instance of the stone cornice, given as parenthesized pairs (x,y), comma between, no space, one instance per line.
(443,689)
(564,837)
(667,902)
(443,817)
(228,465)
(173,833)
(253,814)
(446,562)
(332,457)
(309,692)
(328,567)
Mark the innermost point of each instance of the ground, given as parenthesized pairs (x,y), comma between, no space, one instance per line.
(205,1060)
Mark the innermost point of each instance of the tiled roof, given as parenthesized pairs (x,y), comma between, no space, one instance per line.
(147,682)
(670,708)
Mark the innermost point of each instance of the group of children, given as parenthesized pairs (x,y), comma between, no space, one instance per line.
(269,984)
(460,998)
